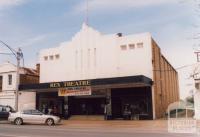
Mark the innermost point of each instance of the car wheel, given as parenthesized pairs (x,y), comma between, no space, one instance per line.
(18,121)
(50,122)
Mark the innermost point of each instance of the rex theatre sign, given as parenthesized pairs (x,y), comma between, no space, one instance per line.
(70,84)
(72,88)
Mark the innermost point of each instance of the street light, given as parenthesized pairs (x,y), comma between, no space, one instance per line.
(18,55)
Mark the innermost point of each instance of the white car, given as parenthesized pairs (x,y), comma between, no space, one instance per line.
(33,116)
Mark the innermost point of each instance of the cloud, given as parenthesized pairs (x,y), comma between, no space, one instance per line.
(119,4)
(9,3)
(34,40)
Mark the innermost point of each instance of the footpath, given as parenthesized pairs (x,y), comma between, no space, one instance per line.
(152,126)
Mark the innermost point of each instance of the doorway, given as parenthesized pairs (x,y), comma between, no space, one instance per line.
(50,103)
(86,106)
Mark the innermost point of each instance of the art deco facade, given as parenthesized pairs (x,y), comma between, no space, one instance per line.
(122,73)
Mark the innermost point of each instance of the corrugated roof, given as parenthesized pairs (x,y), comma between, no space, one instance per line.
(30,71)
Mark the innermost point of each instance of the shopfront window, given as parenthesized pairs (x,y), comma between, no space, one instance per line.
(132,103)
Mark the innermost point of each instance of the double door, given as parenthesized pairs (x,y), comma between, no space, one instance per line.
(87,106)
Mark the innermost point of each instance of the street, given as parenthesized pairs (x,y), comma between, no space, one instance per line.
(81,129)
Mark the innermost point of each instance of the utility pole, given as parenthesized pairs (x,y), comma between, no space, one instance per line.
(18,55)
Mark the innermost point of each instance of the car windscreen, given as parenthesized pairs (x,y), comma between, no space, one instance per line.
(28,112)
(36,112)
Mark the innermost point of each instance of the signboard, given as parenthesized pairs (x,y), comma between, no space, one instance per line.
(75,91)
(184,125)
(70,84)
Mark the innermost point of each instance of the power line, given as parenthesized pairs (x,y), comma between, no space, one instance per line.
(6,53)
(186,66)
(176,68)
(14,52)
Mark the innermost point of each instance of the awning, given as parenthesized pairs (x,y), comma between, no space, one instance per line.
(139,80)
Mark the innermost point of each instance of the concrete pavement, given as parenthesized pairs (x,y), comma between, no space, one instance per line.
(156,126)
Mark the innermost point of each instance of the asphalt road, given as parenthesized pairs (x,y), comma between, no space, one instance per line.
(8,130)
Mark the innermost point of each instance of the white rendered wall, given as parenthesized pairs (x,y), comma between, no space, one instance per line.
(7,99)
(7,95)
(5,70)
(90,55)
(27,100)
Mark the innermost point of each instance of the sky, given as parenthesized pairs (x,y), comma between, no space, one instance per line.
(39,24)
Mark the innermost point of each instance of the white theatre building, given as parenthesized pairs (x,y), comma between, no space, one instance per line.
(123,73)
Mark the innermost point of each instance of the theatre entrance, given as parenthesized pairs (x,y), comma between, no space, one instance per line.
(86,105)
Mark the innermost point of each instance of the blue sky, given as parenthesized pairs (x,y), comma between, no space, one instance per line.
(39,24)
